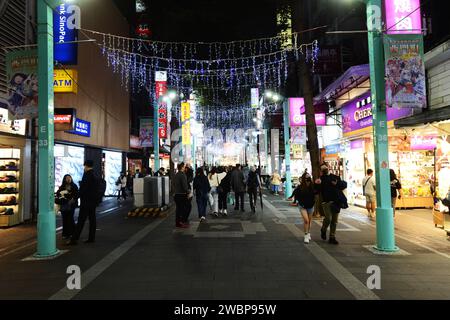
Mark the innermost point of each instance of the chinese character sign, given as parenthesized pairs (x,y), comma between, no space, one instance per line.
(254,97)
(405,72)
(161,90)
(186,124)
(403,17)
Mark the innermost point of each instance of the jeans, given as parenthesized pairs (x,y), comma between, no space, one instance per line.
(239,196)
(253,196)
(223,200)
(86,211)
(330,218)
(215,205)
(202,202)
(275,188)
(68,222)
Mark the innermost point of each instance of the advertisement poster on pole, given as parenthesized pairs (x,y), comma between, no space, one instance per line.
(186,124)
(254,97)
(21,99)
(146,133)
(161,90)
(405,71)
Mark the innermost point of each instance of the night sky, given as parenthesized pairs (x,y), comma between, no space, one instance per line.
(212,20)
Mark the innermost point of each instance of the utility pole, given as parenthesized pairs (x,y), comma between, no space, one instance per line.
(46,225)
(385,219)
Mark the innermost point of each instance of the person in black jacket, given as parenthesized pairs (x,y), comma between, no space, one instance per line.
(396,188)
(88,203)
(223,189)
(305,197)
(238,186)
(253,183)
(67,198)
(201,188)
(331,187)
(181,191)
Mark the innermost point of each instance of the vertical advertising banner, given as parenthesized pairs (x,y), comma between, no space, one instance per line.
(21,99)
(64,31)
(186,123)
(254,97)
(405,71)
(161,90)
(275,148)
(146,133)
(403,17)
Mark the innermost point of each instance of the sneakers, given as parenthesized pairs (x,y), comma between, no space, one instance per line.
(225,213)
(333,240)
(323,235)
(203,219)
(182,225)
(306,239)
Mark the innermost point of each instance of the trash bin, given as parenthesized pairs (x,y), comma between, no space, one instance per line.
(153,192)
(138,192)
(165,190)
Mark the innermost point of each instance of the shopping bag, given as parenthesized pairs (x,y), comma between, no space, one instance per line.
(230,199)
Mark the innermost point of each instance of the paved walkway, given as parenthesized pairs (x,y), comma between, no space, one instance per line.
(243,256)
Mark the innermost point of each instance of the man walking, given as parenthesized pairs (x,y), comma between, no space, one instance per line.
(369,190)
(89,200)
(238,185)
(181,190)
(330,187)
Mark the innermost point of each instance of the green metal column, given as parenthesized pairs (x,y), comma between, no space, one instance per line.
(287,150)
(385,219)
(46,226)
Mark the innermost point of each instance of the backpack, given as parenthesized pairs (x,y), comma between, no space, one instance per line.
(100,189)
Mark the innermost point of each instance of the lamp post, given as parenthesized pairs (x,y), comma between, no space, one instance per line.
(385,218)
(46,224)
(287,144)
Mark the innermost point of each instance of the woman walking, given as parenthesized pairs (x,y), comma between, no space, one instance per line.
(305,197)
(395,189)
(213,179)
(201,188)
(67,198)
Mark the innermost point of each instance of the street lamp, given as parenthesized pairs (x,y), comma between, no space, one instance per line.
(46,225)
(275,97)
(385,219)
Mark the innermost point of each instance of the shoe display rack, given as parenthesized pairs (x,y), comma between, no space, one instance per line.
(9,191)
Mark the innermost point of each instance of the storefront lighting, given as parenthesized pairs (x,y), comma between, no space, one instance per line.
(172,95)
(269,94)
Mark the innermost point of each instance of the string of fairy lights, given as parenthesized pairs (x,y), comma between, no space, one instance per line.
(224,69)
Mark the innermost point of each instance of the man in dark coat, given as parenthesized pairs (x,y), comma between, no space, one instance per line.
(238,185)
(181,190)
(330,187)
(88,203)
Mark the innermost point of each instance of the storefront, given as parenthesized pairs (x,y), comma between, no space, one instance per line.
(68,160)
(15,170)
(412,160)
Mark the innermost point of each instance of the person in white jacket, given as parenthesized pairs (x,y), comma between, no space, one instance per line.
(214,181)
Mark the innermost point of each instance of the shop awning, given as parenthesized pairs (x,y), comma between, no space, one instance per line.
(353,77)
(429,116)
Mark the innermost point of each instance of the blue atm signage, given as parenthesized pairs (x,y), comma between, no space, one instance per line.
(63,31)
(82,128)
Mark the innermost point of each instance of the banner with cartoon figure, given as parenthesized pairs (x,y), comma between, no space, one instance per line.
(21,99)
(405,71)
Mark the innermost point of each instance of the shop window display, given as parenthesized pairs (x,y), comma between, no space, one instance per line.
(415,170)
(9,187)
(354,175)
(112,169)
(68,160)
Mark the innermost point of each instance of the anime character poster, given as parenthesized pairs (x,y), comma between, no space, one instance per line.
(21,99)
(405,71)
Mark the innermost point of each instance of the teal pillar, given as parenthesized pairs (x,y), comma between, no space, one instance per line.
(287,150)
(156,135)
(385,219)
(46,224)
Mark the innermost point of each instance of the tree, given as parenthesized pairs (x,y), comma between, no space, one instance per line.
(305,87)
